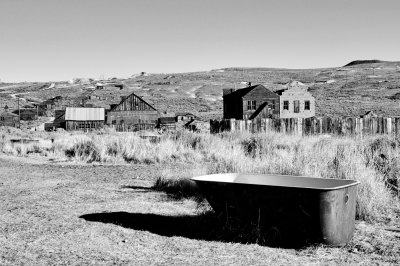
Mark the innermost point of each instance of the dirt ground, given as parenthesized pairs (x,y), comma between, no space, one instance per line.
(60,213)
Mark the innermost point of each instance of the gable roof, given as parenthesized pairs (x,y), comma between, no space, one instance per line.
(243,92)
(127,97)
(84,114)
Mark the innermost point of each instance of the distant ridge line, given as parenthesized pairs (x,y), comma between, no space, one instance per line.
(361,62)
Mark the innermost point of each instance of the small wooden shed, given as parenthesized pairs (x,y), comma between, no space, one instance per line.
(8,119)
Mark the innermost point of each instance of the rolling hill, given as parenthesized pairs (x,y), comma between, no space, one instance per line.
(351,90)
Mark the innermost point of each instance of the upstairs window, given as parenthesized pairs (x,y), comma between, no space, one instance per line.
(251,105)
(285,105)
(296,105)
(306,105)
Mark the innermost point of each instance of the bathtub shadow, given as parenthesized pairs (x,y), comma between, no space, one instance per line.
(200,227)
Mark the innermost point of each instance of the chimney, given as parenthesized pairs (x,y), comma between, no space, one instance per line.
(123,98)
(249,84)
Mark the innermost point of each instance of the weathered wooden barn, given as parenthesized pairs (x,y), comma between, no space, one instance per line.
(27,114)
(247,103)
(8,119)
(296,101)
(82,118)
(132,114)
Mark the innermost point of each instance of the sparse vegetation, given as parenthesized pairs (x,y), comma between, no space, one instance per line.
(372,160)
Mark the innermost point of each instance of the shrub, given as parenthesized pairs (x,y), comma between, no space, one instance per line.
(85,151)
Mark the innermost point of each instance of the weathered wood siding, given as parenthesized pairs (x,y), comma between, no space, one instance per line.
(313,125)
(83,125)
(132,114)
(8,119)
(260,95)
(297,94)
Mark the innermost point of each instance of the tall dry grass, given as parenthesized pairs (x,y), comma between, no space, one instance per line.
(373,160)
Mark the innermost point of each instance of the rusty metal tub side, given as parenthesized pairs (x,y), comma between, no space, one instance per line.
(302,209)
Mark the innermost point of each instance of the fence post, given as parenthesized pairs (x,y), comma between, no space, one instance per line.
(232,124)
(282,126)
(397,126)
(389,125)
(300,126)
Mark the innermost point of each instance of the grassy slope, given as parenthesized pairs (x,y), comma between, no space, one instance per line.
(359,88)
(68,214)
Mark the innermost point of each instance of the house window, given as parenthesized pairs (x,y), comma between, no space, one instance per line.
(114,122)
(273,104)
(285,105)
(306,105)
(296,105)
(251,105)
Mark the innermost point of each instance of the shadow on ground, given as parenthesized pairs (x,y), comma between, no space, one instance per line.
(138,188)
(201,227)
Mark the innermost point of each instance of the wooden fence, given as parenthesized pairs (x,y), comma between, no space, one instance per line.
(133,128)
(312,125)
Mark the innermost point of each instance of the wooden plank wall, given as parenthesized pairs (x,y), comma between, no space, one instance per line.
(133,128)
(310,126)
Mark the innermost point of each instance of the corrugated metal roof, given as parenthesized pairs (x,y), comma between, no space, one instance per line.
(84,114)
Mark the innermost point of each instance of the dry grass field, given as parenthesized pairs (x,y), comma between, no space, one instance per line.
(108,214)
(99,199)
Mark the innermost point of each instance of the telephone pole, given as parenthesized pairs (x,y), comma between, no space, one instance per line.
(19,116)
(37,116)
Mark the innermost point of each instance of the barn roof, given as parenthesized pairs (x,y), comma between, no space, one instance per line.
(184,114)
(84,114)
(124,99)
(244,91)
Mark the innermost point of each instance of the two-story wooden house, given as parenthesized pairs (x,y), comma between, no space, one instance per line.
(296,101)
(250,102)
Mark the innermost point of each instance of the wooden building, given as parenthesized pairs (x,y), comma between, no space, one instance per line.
(132,114)
(58,122)
(295,101)
(247,103)
(8,119)
(166,123)
(26,114)
(48,106)
(184,117)
(82,118)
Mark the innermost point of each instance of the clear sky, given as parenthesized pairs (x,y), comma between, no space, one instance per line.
(45,40)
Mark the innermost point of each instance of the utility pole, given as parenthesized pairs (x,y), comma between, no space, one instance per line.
(19,116)
(37,116)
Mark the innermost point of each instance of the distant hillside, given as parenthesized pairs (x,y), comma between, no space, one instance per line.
(365,85)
